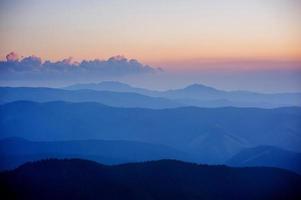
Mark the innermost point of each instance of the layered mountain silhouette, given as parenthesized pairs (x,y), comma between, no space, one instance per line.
(267,156)
(115,123)
(202,95)
(212,135)
(126,99)
(17,151)
(112,86)
(164,179)
(122,95)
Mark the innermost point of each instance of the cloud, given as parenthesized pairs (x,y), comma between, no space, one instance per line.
(12,57)
(32,67)
(33,61)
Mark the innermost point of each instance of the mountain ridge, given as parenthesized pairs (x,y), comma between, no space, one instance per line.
(190,129)
(190,86)
(204,96)
(158,180)
(127,96)
(15,151)
(109,98)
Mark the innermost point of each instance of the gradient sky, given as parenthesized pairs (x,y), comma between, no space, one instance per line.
(179,36)
(152,31)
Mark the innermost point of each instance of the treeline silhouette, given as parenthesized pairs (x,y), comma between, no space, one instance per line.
(158,180)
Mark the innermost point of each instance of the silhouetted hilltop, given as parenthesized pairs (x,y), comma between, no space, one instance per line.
(158,180)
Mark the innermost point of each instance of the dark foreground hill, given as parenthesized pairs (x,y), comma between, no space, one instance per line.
(157,180)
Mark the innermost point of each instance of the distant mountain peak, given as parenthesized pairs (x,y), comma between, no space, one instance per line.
(113,83)
(198,86)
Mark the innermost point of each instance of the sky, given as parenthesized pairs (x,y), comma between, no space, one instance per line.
(181,37)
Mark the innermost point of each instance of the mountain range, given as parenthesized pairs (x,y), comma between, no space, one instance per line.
(202,95)
(116,124)
(17,151)
(213,135)
(122,95)
(116,99)
(158,180)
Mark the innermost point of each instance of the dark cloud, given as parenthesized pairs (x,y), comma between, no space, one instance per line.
(32,67)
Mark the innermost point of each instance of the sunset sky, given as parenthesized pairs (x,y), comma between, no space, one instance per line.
(152,31)
(170,34)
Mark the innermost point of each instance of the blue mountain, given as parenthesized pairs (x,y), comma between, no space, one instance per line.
(17,151)
(202,95)
(114,86)
(213,135)
(269,156)
(125,99)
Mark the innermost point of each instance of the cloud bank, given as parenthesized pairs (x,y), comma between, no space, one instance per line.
(32,67)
